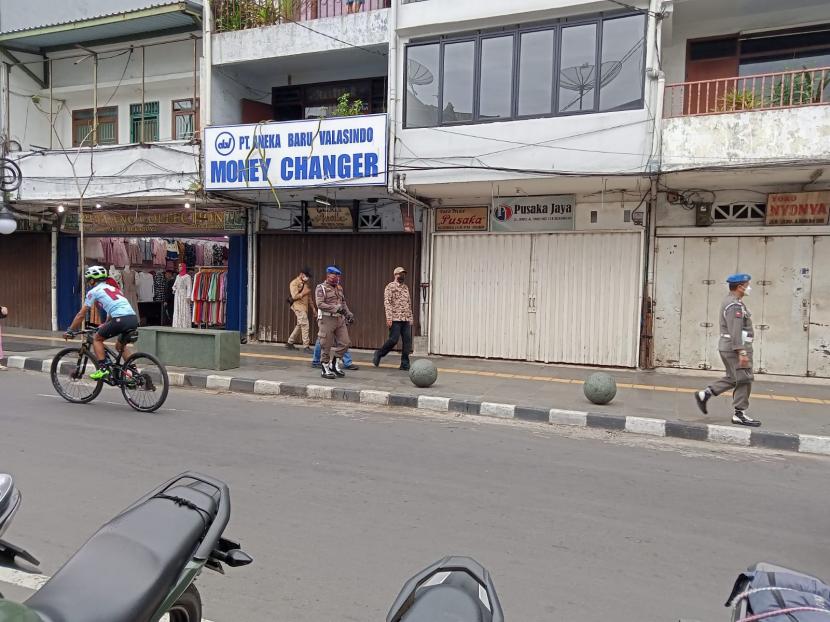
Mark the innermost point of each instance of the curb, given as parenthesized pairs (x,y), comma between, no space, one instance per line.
(711,433)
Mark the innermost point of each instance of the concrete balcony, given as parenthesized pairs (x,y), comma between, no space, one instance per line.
(747,121)
(311,26)
(121,173)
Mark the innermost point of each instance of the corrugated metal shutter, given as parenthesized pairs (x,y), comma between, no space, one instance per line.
(567,297)
(25,285)
(367,262)
(587,298)
(480,295)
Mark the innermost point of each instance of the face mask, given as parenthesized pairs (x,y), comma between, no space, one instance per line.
(747,290)
(401,278)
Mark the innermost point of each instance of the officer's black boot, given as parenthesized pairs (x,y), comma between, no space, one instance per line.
(337,367)
(741,418)
(701,397)
(326,372)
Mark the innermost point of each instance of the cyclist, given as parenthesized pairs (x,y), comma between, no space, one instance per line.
(121,317)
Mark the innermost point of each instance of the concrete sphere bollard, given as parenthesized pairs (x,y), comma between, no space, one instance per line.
(423,373)
(600,388)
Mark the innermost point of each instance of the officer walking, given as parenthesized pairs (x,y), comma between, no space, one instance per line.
(332,315)
(735,347)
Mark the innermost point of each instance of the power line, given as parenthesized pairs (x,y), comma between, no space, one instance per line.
(333,38)
(631,7)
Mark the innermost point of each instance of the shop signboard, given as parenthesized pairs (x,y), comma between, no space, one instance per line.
(330,217)
(461,218)
(537,213)
(798,208)
(158,221)
(336,151)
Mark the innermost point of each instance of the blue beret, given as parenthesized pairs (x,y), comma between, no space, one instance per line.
(740,277)
(333,270)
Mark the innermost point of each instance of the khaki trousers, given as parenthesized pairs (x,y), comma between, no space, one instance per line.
(740,396)
(302,327)
(333,329)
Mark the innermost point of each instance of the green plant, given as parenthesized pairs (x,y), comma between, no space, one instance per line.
(739,100)
(798,89)
(346,107)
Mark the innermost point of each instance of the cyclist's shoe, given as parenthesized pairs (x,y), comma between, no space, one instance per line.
(100,374)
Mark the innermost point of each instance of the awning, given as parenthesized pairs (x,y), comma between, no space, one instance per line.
(152,21)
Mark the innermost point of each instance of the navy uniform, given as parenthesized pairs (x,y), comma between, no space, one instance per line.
(332,315)
(735,348)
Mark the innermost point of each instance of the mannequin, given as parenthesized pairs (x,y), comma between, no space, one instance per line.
(129,283)
(182,291)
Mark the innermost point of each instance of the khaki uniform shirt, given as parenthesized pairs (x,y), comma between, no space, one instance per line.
(736,332)
(296,289)
(330,299)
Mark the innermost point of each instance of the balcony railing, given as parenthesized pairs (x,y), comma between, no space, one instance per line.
(230,15)
(769,91)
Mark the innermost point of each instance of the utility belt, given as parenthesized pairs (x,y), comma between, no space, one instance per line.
(322,314)
(747,338)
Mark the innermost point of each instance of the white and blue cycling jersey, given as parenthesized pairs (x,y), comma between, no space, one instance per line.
(111,298)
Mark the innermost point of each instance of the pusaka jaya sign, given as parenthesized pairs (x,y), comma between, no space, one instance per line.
(337,151)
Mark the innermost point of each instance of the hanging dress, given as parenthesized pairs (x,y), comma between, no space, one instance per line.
(182,290)
(129,287)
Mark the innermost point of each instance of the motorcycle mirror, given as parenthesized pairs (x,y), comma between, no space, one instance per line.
(236,558)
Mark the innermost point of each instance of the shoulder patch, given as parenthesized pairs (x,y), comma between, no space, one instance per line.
(739,313)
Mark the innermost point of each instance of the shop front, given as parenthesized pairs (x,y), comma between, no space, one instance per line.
(550,278)
(178,266)
(783,240)
(26,284)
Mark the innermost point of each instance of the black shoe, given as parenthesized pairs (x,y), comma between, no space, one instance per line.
(352,367)
(307,350)
(741,418)
(326,372)
(701,397)
(336,367)
(404,366)
(290,346)
(376,358)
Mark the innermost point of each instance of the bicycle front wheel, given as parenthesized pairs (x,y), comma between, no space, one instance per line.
(144,382)
(70,376)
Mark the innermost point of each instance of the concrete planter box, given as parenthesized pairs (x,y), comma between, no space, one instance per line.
(191,347)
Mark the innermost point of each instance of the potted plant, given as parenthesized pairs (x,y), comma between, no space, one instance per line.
(735,100)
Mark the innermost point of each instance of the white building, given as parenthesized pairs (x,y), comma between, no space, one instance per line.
(746,119)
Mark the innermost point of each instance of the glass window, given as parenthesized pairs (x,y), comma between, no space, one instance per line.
(536,73)
(83,120)
(184,119)
(622,71)
(577,69)
(422,85)
(150,121)
(458,79)
(496,89)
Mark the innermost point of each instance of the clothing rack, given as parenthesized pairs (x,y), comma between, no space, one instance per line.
(209,296)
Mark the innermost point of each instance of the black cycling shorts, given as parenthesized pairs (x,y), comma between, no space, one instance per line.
(118,326)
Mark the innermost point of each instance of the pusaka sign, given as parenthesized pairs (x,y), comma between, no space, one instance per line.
(338,151)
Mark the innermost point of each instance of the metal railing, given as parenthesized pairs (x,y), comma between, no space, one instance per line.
(769,91)
(231,15)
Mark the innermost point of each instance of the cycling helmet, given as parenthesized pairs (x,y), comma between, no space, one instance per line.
(96,273)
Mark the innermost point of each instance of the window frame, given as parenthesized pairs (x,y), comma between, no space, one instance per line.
(91,111)
(142,119)
(516,31)
(182,113)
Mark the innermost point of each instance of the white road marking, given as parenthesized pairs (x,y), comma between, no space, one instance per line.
(31,581)
(170,410)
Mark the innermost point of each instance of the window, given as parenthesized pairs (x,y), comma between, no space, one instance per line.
(185,119)
(422,85)
(496,81)
(536,73)
(370,221)
(578,69)
(567,67)
(149,121)
(459,76)
(82,121)
(312,101)
(622,67)
(739,212)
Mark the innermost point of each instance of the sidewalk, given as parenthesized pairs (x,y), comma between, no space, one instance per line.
(797,407)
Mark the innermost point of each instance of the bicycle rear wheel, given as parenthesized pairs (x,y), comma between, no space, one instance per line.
(144,382)
(69,372)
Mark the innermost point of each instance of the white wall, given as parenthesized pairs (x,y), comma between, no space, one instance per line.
(436,16)
(228,91)
(29,124)
(694,19)
(360,29)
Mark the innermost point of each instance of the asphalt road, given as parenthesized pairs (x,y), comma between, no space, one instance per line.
(340,503)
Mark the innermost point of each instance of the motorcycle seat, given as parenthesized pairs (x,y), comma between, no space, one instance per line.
(444,603)
(124,571)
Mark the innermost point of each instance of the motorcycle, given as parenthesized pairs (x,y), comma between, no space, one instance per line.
(141,565)
(10,500)
(454,589)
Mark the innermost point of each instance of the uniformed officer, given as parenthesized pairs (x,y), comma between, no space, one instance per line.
(735,347)
(332,315)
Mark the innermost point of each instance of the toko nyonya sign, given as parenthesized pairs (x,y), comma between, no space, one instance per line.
(337,151)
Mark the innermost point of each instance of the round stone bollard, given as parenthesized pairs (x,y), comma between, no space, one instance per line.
(423,373)
(600,388)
